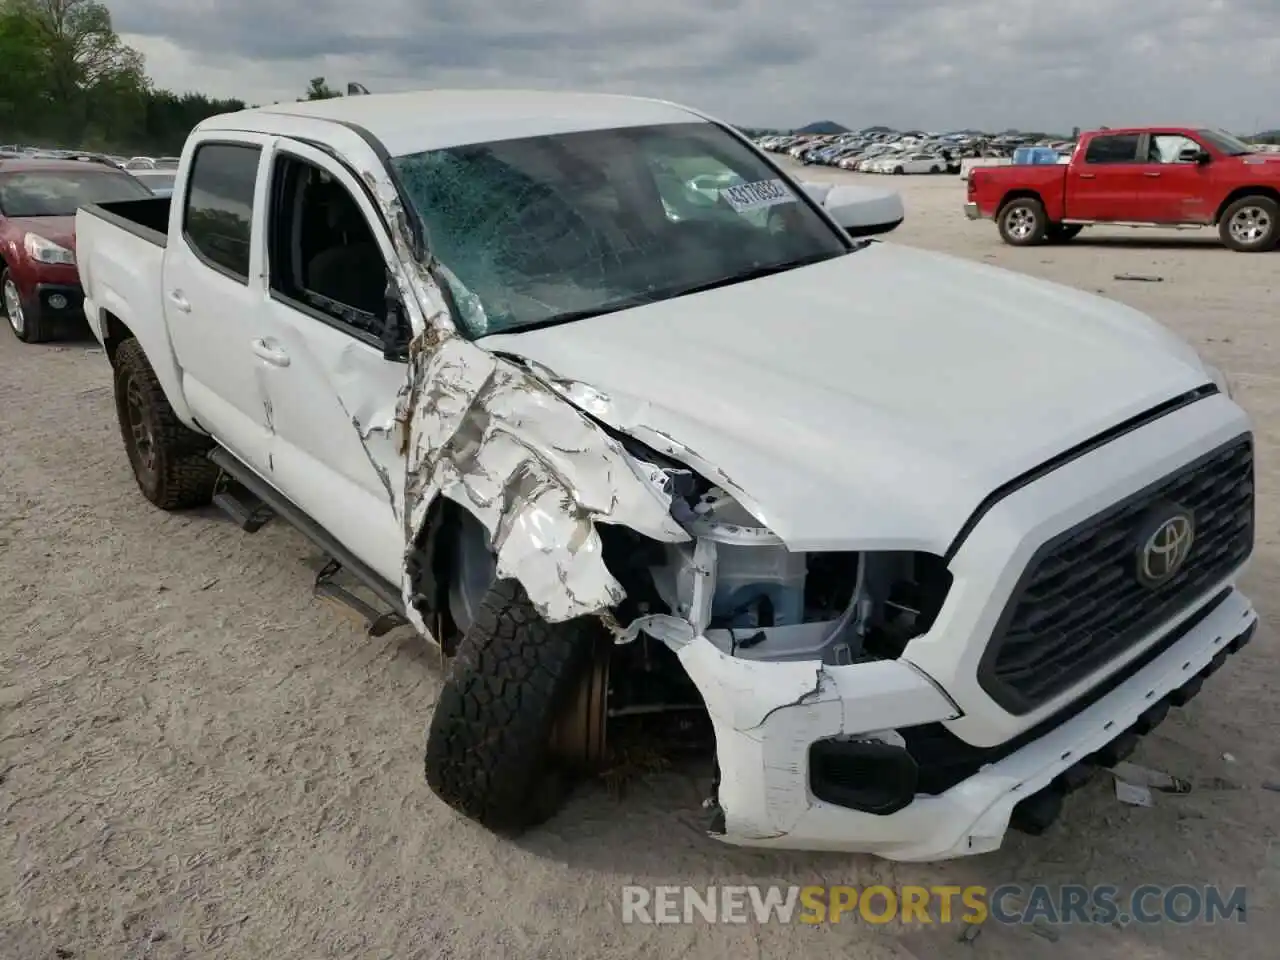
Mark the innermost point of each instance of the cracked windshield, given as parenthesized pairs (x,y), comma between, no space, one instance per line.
(550,229)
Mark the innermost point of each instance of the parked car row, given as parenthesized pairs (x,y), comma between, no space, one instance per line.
(876,150)
(19,152)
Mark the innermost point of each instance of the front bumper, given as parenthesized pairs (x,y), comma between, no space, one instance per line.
(766,795)
(58,301)
(972,212)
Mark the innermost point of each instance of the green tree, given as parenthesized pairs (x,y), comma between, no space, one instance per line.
(24,69)
(67,80)
(91,73)
(318,89)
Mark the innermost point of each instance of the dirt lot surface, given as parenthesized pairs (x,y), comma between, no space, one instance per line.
(201,759)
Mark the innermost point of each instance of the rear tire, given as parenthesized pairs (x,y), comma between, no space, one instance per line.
(1022,222)
(489,751)
(899,171)
(169,459)
(1251,225)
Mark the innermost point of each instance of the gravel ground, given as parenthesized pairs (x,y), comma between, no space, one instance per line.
(200,759)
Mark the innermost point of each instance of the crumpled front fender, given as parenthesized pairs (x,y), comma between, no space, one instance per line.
(536,472)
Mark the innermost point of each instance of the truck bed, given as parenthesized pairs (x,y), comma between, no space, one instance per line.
(120,250)
(989,186)
(147,218)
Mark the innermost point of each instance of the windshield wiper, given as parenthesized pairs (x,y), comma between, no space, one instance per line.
(755,273)
(640,300)
(569,316)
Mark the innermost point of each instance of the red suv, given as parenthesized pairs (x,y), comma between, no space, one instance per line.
(39,283)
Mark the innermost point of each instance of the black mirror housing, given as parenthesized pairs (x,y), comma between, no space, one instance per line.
(396,332)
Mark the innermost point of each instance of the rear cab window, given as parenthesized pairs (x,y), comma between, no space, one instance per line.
(217,219)
(1113,148)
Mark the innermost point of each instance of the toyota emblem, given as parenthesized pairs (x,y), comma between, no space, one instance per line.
(1165,548)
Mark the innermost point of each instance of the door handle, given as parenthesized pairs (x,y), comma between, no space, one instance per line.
(1151,173)
(179,301)
(270,353)
(1088,176)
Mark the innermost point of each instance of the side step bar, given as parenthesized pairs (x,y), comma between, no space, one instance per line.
(340,556)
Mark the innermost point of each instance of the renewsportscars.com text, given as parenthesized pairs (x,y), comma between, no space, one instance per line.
(1006,904)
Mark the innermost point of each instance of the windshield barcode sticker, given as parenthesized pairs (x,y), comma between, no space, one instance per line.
(744,197)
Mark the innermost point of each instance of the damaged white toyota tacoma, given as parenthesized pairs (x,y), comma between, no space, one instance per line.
(614,411)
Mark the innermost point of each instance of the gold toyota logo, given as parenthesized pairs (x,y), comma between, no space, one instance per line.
(1164,551)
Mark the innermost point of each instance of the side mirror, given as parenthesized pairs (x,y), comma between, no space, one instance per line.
(1203,157)
(396,332)
(817,191)
(864,211)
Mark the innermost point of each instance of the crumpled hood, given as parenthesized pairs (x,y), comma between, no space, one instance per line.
(874,400)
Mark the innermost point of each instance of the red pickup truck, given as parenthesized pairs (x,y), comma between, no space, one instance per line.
(1138,177)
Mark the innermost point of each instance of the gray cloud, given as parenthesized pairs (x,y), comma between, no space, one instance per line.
(930,63)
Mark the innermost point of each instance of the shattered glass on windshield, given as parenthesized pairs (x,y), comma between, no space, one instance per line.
(548,229)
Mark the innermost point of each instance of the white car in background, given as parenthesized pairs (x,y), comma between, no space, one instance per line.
(159,181)
(912,163)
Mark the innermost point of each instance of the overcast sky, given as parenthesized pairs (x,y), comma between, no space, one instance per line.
(1033,64)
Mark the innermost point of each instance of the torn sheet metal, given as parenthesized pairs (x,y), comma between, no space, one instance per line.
(629,418)
(532,469)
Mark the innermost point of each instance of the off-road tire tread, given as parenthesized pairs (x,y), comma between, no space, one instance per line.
(488,750)
(185,475)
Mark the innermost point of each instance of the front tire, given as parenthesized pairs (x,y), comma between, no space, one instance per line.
(27,325)
(489,751)
(169,459)
(1251,225)
(1022,222)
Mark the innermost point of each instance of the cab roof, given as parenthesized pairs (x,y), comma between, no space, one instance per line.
(434,119)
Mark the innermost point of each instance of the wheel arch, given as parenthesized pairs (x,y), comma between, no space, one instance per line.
(155,344)
(1019,194)
(1271,193)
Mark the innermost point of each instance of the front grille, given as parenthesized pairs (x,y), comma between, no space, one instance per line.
(1080,603)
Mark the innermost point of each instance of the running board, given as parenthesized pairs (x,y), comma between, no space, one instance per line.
(1136,224)
(247,512)
(338,556)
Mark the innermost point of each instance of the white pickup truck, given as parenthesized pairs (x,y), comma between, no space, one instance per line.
(604,403)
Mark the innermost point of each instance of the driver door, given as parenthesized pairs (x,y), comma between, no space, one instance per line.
(331,389)
(1174,188)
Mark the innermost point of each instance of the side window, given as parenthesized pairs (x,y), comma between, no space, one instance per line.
(218,218)
(323,253)
(1172,148)
(1121,148)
